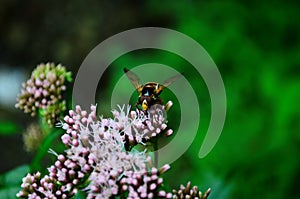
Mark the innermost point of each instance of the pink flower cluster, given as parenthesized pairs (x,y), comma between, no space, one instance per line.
(144,183)
(43,92)
(96,158)
(138,126)
(135,127)
(105,139)
(190,192)
(35,187)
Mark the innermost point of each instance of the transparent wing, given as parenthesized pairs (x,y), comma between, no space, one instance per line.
(168,82)
(134,79)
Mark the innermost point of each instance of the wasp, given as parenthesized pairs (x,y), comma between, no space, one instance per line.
(149,92)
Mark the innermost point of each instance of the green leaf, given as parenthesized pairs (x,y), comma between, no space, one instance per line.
(10,182)
(80,195)
(14,177)
(9,192)
(8,128)
(43,149)
(68,76)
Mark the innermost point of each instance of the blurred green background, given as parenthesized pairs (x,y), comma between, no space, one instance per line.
(254,44)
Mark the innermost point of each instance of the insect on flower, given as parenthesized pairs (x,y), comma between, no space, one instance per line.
(149,92)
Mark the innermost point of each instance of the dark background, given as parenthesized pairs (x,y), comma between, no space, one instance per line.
(255,45)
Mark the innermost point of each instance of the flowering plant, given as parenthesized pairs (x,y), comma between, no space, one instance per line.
(100,159)
(42,93)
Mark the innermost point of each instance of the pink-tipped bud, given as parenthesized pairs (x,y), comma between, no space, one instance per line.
(169,132)
(61,158)
(93,108)
(168,105)
(162,194)
(163,126)
(153,186)
(78,109)
(169,195)
(164,168)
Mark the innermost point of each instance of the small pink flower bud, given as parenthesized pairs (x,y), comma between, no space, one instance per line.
(164,168)
(169,132)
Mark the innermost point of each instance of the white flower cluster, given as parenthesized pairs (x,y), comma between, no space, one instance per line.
(105,146)
(97,156)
